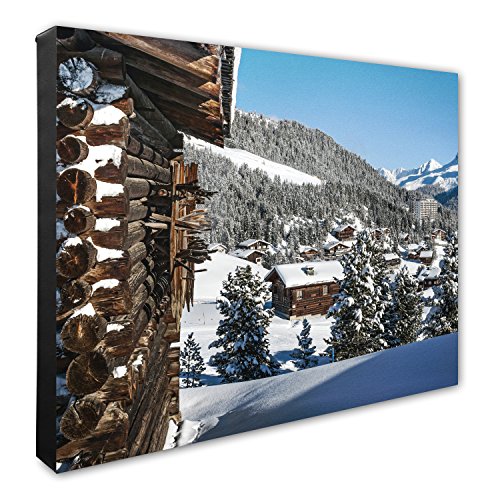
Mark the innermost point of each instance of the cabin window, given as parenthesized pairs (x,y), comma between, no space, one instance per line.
(299,294)
(325,289)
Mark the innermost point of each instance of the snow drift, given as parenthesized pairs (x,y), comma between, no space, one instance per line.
(216,411)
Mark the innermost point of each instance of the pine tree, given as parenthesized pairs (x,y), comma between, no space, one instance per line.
(407,309)
(242,333)
(445,316)
(356,326)
(192,364)
(304,354)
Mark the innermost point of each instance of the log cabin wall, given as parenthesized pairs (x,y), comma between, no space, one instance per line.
(128,235)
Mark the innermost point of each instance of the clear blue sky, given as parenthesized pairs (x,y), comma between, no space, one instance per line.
(392,116)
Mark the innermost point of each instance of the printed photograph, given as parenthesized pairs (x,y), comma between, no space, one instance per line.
(245,238)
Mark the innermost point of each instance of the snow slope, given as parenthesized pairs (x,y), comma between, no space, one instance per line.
(215,411)
(273,169)
(431,173)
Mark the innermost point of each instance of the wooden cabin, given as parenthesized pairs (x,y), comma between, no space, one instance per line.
(381,233)
(304,289)
(438,234)
(344,232)
(308,253)
(426,257)
(130,229)
(392,260)
(255,245)
(217,247)
(413,251)
(334,249)
(249,254)
(429,276)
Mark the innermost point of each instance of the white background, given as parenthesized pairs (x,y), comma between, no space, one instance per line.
(439,445)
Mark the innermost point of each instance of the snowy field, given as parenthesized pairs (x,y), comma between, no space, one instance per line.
(211,412)
(271,168)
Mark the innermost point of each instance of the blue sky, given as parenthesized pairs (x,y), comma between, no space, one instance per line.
(392,116)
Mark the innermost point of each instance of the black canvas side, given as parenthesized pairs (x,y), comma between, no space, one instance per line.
(46,358)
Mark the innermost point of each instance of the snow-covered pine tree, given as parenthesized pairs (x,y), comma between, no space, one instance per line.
(242,333)
(445,316)
(303,356)
(407,310)
(356,328)
(192,364)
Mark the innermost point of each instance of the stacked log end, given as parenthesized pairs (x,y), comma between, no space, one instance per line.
(125,262)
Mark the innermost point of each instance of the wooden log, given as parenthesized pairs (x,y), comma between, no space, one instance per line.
(138,149)
(74,294)
(75,114)
(138,210)
(140,188)
(75,258)
(118,267)
(78,76)
(111,298)
(144,131)
(152,114)
(136,232)
(116,134)
(114,171)
(110,435)
(72,150)
(138,167)
(110,206)
(72,39)
(109,63)
(109,232)
(76,186)
(81,418)
(87,373)
(82,332)
(79,219)
(138,276)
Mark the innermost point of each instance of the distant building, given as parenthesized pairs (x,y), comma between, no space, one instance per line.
(413,251)
(344,232)
(429,277)
(307,252)
(304,289)
(255,244)
(438,234)
(217,247)
(381,233)
(404,237)
(426,257)
(336,248)
(392,260)
(249,254)
(425,209)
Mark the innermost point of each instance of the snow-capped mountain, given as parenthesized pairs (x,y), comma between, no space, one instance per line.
(429,174)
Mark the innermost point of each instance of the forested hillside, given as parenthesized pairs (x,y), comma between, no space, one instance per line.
(249,204)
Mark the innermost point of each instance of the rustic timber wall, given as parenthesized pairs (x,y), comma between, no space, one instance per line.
(128,237)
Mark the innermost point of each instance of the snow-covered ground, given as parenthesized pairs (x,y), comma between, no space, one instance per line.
(271,168)
(216,411)
(203,317)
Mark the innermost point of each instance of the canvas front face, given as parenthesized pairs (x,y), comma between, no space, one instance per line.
(226,259)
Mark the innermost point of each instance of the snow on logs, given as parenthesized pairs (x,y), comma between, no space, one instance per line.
(116,318)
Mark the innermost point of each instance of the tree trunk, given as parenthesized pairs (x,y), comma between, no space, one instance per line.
(73,261)
(79,219)
(82,333)
(75,114)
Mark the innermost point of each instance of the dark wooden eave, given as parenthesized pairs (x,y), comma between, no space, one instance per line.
(190,83)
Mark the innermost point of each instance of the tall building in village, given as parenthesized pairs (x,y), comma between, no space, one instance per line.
(425,209)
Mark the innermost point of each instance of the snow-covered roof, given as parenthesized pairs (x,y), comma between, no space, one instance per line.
(425,254)
(214,246)
(251,242)
(305,248)
(294,275)
(390,256)
(343,227)
(332,244)
(412,247)
(437,230)
(243,253)
(404,235)
(429,273)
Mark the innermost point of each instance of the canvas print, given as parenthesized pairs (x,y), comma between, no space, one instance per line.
(243,238)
